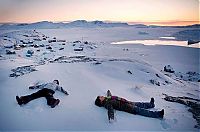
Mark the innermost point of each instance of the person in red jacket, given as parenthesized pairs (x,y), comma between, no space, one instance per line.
(114,102)
(46,90)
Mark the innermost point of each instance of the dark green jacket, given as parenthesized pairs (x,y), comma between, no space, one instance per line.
(117,103)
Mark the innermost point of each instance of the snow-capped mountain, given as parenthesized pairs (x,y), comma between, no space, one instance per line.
(52,25)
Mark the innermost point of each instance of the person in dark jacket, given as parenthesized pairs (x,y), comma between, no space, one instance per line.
(46,90)
(114,102)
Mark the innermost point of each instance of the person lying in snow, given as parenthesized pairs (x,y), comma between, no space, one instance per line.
(46,90)
(113,102)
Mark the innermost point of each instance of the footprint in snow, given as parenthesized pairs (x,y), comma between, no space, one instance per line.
(168,123)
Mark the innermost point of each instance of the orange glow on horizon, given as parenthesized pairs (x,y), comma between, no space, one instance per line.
(148,12)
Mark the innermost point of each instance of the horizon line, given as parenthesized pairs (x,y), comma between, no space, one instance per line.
(160,23)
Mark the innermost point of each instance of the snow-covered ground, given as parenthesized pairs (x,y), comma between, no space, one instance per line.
(127,70)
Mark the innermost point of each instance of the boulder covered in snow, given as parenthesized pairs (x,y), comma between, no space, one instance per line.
(192,103)
(169,69)
(155,82)
(8,52)
(8,46)
(49,47)
(19,71)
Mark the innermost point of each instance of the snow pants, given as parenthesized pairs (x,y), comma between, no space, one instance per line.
(142,109)
(47,93)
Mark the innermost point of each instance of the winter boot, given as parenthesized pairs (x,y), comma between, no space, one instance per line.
(56,102)
(152,102)
(162,113)
(19,100)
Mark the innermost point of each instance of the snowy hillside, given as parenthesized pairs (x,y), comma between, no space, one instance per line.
(87,65)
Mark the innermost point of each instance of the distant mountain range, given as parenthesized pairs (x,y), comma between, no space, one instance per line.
(79,23)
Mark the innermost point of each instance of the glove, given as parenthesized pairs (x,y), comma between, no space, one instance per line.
(109,93)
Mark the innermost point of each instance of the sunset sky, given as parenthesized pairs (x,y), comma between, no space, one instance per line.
(161,12)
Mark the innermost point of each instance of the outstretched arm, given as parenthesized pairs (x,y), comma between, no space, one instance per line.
(59,88)
(110,112)
(110,107)
(36,86)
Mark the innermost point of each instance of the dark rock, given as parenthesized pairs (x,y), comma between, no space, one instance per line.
(129,72)
(22,45)
(168,82)
(28,55)
(19,71)
(86,42)
(169,69)
(8,52)
(50,41)
(77,41)
(61,49)
(97,63)
(78,49)
(37,39)
(192,42)
(73,59)
(158,75)
(194,105)
(90,47)
(61,40)
(31,45)
(8,46)
(13,75)
(125,49)
(155,82)
(41,45)
(52,50)
(25,35)
(36,46)
(17,47)
(191,73)
(49,47)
